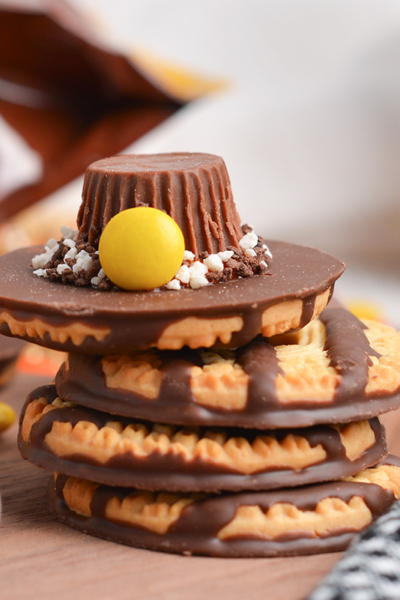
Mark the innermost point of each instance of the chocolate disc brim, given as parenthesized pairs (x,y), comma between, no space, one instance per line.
(173,472)
(195,531)
(135,320)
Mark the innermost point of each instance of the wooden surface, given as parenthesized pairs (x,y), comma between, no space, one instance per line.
(40,558)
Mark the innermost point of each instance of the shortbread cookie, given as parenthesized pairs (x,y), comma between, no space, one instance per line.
(306,520)
(296,289)
(335,370)
(92,445)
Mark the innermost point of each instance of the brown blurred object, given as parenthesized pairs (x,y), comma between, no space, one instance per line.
(10,350)
(72,97)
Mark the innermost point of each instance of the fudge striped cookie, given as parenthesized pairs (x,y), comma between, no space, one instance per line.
(337,369)
(318,518)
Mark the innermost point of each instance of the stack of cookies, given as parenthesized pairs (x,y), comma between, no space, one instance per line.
(233,415)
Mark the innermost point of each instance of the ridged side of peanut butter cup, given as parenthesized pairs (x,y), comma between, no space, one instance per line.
(194,189)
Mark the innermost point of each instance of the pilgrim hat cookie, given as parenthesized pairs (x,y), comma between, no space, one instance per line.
(210,282)
(337,369)
(305,520)
(93,445)
(210,402)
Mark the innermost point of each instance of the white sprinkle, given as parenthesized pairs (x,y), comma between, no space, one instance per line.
(173,285)
(249,240)
(40,273)
(250,253)
(198,281)
(198,268)
(69,233)
(101,274)
(95,281)
(87,263)
(71,253)
(214,263)
(183,274)
(61,268)
(83,262)
(187,255)
(51,243)
(226,255)
(69,243)
(40,260)
(267,251)
(263,264)
(51,250)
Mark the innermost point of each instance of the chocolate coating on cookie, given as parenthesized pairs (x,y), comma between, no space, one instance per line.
(198,528)
(174,470)
(193,189)
(85,320)
(346,346)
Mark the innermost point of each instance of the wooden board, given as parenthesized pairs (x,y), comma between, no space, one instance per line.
(41,558)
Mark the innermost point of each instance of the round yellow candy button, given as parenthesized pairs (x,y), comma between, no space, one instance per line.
(7,416)
(141,248)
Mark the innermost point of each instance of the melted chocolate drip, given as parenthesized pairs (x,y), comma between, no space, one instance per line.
(346,345)
(259,361)
(351,360)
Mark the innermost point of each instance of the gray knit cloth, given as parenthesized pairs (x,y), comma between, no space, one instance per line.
(370,569)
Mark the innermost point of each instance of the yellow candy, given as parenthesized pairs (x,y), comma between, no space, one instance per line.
(363,309)
(141,248)
(7,416)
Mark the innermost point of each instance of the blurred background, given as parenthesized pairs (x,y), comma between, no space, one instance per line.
(302,99)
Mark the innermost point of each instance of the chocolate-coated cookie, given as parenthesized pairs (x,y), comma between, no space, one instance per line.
(337,369)
(296,288)
(306,520)
(92,445)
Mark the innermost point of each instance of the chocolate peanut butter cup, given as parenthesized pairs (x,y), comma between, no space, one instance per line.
(305,520)
(193,189)
(111,450)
